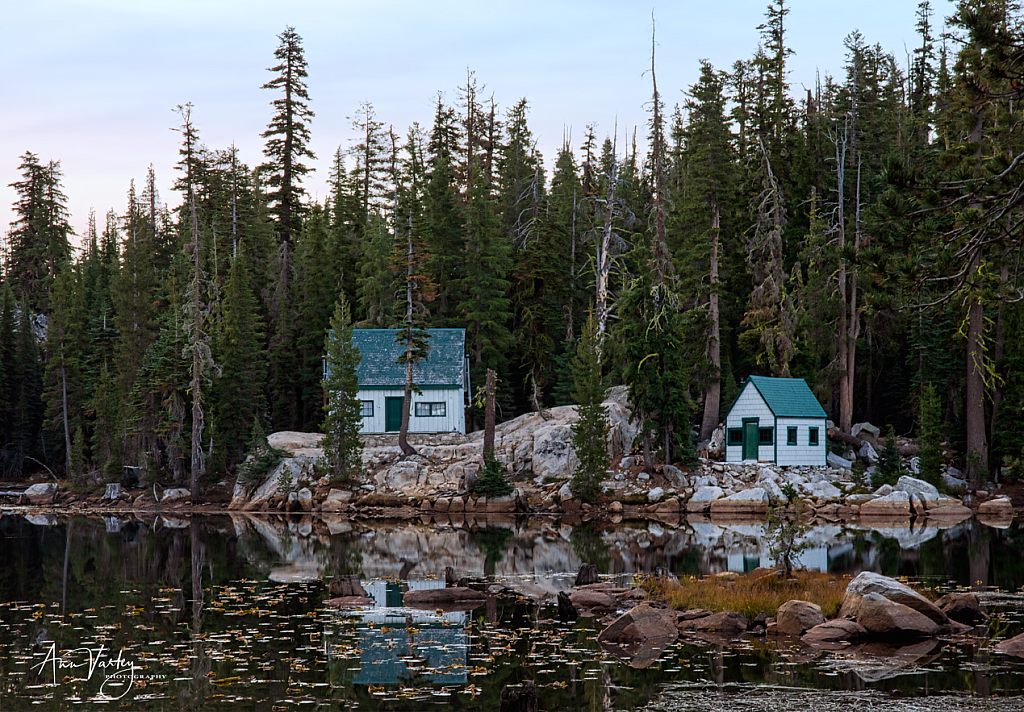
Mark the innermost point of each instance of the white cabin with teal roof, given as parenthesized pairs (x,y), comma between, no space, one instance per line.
(442,379)
(776,420)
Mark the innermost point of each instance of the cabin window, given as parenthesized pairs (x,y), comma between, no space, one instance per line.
(791,436)
(428,410)
(735,436)
(765,436)
(812,436)
(366,409)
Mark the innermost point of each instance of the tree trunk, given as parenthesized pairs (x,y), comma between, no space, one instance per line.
(977,445)
(998,348)
(713,396)
(603,260)
(489,389)
(67,427)
(403,432)
(197,361)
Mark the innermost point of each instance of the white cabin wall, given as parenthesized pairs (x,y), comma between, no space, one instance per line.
(454,419)
(749,404)
(802,453)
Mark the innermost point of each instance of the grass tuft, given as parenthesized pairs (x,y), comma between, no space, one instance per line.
(760,590)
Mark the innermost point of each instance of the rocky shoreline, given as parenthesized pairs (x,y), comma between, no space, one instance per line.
(539,458)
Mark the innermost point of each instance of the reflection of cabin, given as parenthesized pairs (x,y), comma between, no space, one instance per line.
(776,420)
(392,638)
(442,378)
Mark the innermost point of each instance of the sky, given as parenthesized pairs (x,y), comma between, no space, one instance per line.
(94,83)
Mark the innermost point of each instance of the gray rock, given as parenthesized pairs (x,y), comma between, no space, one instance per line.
(703,497)
(952,482)
(42,493)
(565,492)
(674,475)
(834,631)
(919,488)
(750,501)
(655,494)
(883,491)
(836,461)
(915,465)
(717,444)
(305,499)
(627,462)
(798,617)
(823,490)
(866,432)
(643,477)
(867,453)
(175,495)
(774,491)
(896,504)
(884,617)
(640,624)
(868,582)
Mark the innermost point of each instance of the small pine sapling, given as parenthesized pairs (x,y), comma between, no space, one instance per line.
(889,467)
(784,533)
(342,410)
(262,458)
(590,431)
(492,481)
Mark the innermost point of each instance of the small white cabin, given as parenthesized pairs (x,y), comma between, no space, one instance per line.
(776,420)
(442,379)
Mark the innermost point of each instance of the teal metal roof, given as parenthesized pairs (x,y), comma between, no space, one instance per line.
(788,397)
(379,367)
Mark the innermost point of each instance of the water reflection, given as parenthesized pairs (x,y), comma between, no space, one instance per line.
(229,608)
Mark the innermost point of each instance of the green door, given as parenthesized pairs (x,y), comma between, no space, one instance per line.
(750,440)
(393,415)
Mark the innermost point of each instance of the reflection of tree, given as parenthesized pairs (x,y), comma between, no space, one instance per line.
(493,543)
(201,663)
(589,547)
(344,555)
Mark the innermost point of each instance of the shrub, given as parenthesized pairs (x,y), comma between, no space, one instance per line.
(261,459)
(492,481)
(889,468)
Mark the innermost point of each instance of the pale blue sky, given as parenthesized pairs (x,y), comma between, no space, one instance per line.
(93,82)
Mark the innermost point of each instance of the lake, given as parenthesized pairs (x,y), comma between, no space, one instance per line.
(225,613)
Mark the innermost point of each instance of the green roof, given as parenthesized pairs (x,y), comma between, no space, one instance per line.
(788,397)
(379,367)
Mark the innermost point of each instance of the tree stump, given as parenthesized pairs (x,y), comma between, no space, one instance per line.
(566,611)
(519,698)
(586,575)
(449,577)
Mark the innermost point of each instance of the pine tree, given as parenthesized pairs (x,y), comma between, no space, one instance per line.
(442,218)
(930,440)
(64,393)
(8,377)
(342,411)
(238,394)
(590,431)
(288,134)
(889,468)
(27,398)
(39,237)
(704,173)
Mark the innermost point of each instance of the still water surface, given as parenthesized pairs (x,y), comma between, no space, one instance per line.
(224,613)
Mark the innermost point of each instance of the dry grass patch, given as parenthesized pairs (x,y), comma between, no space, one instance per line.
(760,590)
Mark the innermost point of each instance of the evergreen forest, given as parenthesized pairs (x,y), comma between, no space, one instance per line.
(865,235)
